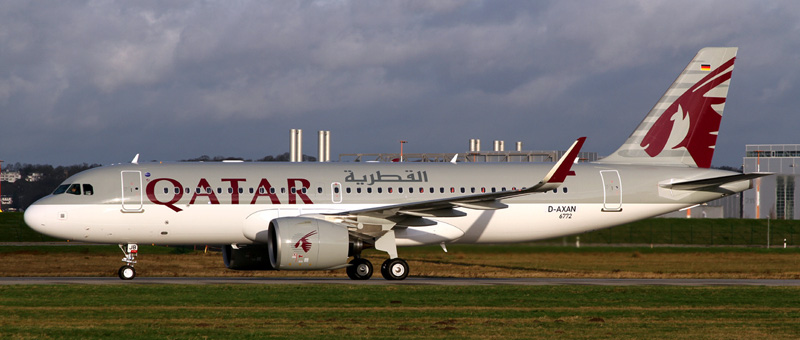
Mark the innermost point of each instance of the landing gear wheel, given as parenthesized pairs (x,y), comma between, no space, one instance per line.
(394,269)
(359,269)
(127,272)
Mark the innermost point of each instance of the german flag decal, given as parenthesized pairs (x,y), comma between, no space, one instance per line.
(705,67)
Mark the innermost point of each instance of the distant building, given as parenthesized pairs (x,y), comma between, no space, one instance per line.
(6,200)
(774,196)
(34,177)
(10,176)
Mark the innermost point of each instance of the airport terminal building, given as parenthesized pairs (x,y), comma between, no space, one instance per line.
(774,196)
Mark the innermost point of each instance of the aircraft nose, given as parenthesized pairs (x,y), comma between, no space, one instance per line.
(37,218)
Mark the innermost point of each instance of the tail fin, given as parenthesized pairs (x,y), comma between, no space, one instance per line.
(682,127)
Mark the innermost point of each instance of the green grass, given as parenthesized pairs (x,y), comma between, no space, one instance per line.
(704,232)
(14,229)
(398,311)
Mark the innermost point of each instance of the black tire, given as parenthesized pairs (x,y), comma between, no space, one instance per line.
(394,269)
(359,269)
(126,272)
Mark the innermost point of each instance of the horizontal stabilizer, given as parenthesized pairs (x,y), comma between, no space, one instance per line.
(712,183)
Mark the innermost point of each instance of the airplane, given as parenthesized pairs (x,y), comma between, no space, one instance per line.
(321,216)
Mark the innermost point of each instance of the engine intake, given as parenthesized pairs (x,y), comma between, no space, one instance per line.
(302,243)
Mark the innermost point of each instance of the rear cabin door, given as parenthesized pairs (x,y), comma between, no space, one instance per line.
(132,192)
(612,190)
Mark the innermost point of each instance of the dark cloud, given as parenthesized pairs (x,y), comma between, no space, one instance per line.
(100,81)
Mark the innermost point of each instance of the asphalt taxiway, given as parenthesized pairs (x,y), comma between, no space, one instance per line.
(409,281)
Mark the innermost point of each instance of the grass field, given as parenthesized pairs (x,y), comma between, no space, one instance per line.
(406,311)
(521,260)
(395,312)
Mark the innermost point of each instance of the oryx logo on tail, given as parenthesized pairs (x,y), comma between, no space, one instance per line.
(691,121)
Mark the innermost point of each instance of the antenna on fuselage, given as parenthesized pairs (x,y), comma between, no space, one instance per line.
(135,159)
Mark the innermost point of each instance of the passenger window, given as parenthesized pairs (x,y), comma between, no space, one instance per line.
(421,190)
(294,190)
(319,190)
(74,189)
(177,190)
(219,190)
(369,190)
(493,189)
(230,190)
(380,190)
(358,190)
(483,190)
(347,190)
(166,191)
(261,190)
(441,190)
(389,190)
(336,190)
(304,190)
(430,189)
(241,190)
(472,190)
(271,190)
(452,190)
(188,191)
(565,190)
(88,190)
(463,190)
(283,190)
(251,190)
(503,189)
(400,190)
(208,190)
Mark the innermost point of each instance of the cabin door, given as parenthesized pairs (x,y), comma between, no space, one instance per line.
(131,191)
(612,190)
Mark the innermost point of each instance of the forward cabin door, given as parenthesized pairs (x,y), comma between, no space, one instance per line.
(132,192)
(612,190)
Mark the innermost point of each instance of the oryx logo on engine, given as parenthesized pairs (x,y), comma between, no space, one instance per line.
(304,243)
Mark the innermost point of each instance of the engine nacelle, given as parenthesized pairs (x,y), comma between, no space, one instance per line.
(302,243)
(249,257)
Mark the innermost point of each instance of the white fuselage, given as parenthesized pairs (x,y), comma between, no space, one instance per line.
(220,203)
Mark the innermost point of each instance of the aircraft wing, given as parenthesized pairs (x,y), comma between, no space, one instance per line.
(414,213)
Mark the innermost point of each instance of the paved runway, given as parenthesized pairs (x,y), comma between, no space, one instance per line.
(409,281)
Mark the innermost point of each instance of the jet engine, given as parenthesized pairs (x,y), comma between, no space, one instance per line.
(248,257)
(302,243)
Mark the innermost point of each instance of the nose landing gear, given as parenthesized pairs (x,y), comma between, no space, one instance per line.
(130,250)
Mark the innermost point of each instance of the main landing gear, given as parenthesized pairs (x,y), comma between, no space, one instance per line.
(130,250)
(394,268)
(391,269)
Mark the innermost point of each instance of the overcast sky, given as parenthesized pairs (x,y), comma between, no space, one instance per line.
(100,81)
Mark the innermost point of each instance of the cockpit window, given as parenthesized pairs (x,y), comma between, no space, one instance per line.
(61,189)
(74,189)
